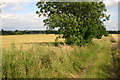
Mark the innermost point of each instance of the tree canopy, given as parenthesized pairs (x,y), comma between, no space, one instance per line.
(77,22)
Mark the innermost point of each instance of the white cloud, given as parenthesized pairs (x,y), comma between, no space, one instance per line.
(3,5)
(10,16)
(19,0)
(19,5)
(21,16)
(111,2)
(18,21)
(15,5)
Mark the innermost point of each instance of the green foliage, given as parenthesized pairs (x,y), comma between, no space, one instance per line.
(45,60)
(78,22)
(113,40)
(106,34)
(18,32)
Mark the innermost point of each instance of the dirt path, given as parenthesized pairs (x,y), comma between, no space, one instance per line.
(115,46)
(91,64)
(98,57)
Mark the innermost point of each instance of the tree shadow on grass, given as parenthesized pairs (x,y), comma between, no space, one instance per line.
(46,43)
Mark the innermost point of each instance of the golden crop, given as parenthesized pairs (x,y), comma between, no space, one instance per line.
(19,40)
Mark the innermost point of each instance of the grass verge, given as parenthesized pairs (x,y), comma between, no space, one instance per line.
(42,61)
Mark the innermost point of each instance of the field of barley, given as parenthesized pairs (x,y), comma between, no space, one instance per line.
(38,56)
(26,40)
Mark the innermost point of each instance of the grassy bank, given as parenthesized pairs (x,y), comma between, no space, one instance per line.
(116,56)
(49,61)
(100,68)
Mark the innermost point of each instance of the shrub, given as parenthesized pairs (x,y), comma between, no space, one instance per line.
(113,40)
(106,34)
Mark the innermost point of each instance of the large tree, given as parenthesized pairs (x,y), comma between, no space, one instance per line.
(77,22)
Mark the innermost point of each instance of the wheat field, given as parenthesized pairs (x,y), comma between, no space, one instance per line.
(116,36)
(22,40)
(19,40)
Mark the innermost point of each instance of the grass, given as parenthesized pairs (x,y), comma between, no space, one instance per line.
(0,57)
(61,61)
(116,56)
(100,67)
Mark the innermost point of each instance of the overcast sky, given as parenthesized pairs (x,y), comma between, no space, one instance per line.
(21,15)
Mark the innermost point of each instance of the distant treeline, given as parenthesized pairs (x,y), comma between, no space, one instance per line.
(114,32)
(18,32)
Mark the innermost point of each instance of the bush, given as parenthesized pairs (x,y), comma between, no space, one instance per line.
(106,34)
(113,40)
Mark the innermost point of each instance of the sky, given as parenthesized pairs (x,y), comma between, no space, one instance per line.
(21,15)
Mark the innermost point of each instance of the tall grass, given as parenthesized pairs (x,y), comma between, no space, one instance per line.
(0,58)
(116,59)
(42,61)
(100,68)
(0,64)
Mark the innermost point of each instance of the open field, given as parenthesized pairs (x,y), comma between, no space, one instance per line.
(22,40)
(50,61)
(116,36)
